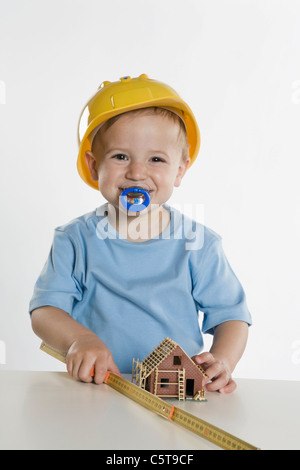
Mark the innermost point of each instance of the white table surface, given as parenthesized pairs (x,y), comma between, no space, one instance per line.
(50,410)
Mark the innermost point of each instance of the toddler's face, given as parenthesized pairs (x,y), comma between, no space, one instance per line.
(138,150)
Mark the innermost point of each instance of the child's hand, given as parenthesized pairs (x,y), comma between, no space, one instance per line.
(218,372)
(86,352)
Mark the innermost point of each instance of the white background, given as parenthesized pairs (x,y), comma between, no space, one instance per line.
(237,64)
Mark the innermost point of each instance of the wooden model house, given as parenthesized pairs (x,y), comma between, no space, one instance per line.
(168,372)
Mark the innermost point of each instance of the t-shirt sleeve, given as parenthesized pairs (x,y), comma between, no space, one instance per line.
(57,284)
(217,291)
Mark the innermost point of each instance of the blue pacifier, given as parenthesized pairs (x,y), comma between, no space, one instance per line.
(135,199)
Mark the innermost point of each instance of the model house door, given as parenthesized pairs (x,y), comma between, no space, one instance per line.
(189,387)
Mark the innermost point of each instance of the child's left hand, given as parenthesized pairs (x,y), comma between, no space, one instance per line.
(218,372)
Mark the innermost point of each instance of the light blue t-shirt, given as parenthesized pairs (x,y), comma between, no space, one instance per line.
(134,294)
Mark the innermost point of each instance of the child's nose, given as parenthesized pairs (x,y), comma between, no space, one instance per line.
(136,171)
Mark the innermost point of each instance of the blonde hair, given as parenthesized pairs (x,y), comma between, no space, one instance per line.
(174,117)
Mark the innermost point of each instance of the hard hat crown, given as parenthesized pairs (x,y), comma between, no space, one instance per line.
(128,94)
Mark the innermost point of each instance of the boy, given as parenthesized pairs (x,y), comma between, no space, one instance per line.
(117,283)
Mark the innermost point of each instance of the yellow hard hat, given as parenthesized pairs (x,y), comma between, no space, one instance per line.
(127,94)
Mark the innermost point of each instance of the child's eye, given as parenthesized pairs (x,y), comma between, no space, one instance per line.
(157,159)
(120,156)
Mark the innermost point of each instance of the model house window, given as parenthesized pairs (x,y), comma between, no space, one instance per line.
(177,360)
(164,383)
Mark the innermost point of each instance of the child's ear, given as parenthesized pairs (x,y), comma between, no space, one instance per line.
(92,165)
(181,172)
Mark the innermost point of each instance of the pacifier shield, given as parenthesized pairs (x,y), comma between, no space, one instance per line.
(135,199)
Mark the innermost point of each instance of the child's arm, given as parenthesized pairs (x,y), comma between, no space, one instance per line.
(230,339)
(84,349)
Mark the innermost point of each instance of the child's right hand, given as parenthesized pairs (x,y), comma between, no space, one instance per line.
(86,352)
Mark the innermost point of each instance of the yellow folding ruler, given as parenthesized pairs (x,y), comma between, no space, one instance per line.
(202,428)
